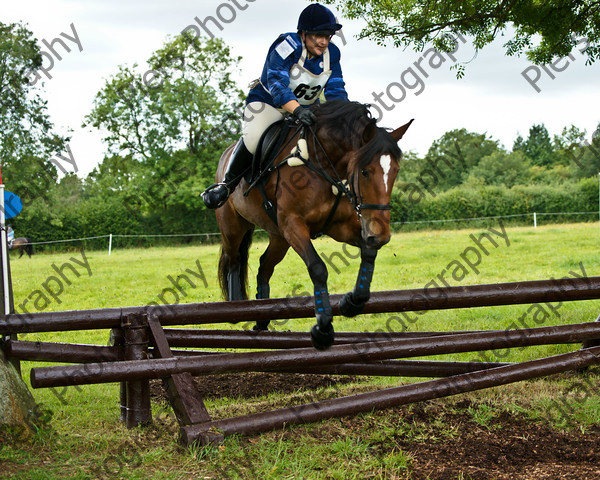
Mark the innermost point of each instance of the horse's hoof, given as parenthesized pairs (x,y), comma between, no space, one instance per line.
(319,339)
(348,308)
(261,326)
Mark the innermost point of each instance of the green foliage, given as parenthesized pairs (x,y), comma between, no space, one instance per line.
(500,168)
(538,146)
(186,101)
(165,130)
(27,139)
(585,158)
(451,157)
(542,30)
(497,200)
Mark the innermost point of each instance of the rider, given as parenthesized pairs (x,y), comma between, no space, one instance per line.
(299,67)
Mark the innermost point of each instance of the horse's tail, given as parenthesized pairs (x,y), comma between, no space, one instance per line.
(242,269)
(29,247)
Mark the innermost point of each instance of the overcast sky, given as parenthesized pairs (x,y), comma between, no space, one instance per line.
(492,98)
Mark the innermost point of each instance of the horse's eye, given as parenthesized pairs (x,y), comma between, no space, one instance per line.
(364,173)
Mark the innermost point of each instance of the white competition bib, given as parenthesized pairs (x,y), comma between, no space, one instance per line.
(305,85)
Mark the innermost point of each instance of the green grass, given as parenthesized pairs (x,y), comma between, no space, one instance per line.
(86,440)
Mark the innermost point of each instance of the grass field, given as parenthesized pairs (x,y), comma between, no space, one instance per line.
(85,439)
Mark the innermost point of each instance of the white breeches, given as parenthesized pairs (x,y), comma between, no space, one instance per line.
(258,116)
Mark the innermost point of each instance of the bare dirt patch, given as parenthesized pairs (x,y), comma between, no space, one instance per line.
(444,441)
(510,448)
(254,385)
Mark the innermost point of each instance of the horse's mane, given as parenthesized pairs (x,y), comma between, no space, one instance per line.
(351,121)
(344,120)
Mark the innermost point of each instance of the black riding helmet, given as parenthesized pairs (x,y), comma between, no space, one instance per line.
(318,19)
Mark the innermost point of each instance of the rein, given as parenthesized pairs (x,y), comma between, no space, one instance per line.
(354,195)
(351,190)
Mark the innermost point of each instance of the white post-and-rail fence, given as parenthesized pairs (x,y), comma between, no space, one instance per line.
(110,236)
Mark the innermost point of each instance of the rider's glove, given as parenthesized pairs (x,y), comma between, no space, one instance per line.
(304,116)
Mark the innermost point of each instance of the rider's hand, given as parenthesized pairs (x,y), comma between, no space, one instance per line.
(304,116)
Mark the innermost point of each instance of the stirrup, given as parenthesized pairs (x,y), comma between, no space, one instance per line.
(207,194)
(213,186)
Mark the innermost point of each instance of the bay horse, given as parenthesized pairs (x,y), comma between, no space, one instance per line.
(23,244)
(347,152)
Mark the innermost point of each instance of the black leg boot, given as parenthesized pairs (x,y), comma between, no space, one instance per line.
(216,195)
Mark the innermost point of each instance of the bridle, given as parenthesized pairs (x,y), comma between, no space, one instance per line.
(350,188)
(356,196)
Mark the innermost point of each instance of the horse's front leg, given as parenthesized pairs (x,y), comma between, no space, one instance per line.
(352,303)
(297,234)
(321,334)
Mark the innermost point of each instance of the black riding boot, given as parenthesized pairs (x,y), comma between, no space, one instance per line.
(216,195)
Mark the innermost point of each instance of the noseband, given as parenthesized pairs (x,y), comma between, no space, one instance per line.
(356,197)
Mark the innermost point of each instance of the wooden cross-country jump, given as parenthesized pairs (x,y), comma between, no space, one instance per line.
(144,349)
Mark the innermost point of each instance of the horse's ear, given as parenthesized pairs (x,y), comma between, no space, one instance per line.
(368,133)
(399,132)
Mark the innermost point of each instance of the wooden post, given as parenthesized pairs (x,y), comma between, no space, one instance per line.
(183,394)
(138,409)
(117,339)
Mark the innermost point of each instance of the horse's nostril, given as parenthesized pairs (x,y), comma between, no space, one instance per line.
(374,241)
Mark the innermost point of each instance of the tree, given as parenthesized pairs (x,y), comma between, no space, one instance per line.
(501,168)
(113,175)
(538,146)
(26,141)
(187,100)
(27,137)
(165,130)
(199,97)
(543,30)
(451,157)
(581,155)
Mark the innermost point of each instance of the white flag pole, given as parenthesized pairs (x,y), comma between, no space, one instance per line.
(5,286)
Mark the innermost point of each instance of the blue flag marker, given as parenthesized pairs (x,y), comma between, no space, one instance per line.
(12,205)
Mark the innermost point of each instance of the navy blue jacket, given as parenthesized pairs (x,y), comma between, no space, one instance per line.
(276,73)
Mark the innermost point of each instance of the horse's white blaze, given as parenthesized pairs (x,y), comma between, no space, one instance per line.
(386,164)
